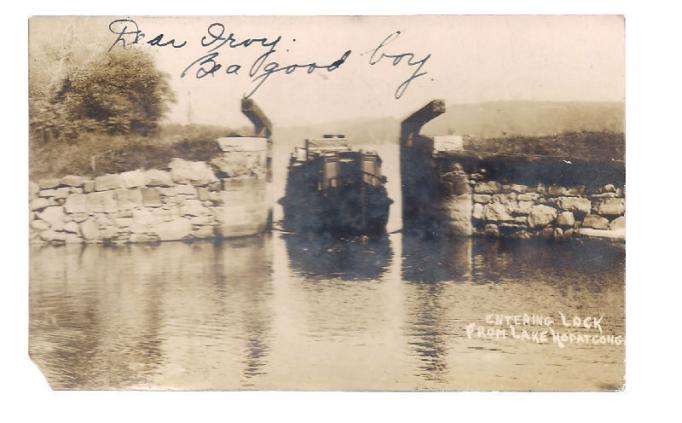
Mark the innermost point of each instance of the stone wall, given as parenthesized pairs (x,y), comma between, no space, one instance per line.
(553,212)
(224,197)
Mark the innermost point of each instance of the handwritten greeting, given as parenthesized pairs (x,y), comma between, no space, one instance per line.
(270,62)
(541,329)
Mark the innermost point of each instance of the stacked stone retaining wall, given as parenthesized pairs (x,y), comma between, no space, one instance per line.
(224,197)
(556,212)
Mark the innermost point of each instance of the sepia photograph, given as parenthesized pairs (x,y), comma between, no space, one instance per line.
(327,203)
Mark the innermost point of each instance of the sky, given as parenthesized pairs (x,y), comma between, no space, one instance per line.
(464,59)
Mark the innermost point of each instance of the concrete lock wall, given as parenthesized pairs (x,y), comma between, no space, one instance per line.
(228,196)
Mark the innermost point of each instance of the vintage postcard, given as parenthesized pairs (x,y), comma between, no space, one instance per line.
(365,203)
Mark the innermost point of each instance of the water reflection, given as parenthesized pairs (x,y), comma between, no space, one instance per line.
(285,312)
(501,260)
(319,257)
(121,316)
(436,260)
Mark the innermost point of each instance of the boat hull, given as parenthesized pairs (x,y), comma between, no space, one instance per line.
(357,210)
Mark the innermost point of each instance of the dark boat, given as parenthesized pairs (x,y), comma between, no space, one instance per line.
(333,189)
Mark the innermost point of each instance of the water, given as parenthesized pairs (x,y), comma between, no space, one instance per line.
(286,312)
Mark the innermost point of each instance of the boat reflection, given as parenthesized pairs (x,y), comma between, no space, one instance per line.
(322,258)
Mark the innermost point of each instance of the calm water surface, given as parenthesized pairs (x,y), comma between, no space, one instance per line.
(283,312)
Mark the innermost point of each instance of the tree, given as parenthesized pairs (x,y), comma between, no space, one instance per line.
(118,92)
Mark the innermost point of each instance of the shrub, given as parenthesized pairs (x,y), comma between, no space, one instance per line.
(118,92)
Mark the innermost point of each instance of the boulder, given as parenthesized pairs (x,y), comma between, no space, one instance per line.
(489,187)
(38,204)
(90,230)
(496,212)
(523,207)
(519,188)
(575,204)
(491,230)
(72,227)
(49,183)
(556,191)
(558,233)
(128,198)
(62,192)
(53,215)
(595,222)
(88,186)
(478,211)
(528,196)
(174,230)
(103,220)
(507,198)
(204,232)
(193,208)
(178,190)
(203,193)
(78,217)
(108,182)
(40,225)
(134,179)
(609,188)
(611,207)
(108,233)
(617,224)
(76,203)
(166,213)
(52,236)
(123,222)
(145,217)
(151,197)
(139,228)
(604,195)
(194,173)
(103,201)
(482,198)
(73,181)
(541,215)
(72,238)
(47,193)
(202,220)
(521,234)
(158,178)
(565,219)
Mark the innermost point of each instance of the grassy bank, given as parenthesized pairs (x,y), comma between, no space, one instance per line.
(596,147)
(97,154)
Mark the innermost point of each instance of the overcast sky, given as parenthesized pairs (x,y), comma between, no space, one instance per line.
(473,59)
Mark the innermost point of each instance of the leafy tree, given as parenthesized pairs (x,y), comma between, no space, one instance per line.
(119,92)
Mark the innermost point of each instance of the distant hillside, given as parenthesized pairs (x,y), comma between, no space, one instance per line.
(492,120)
(483,120)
